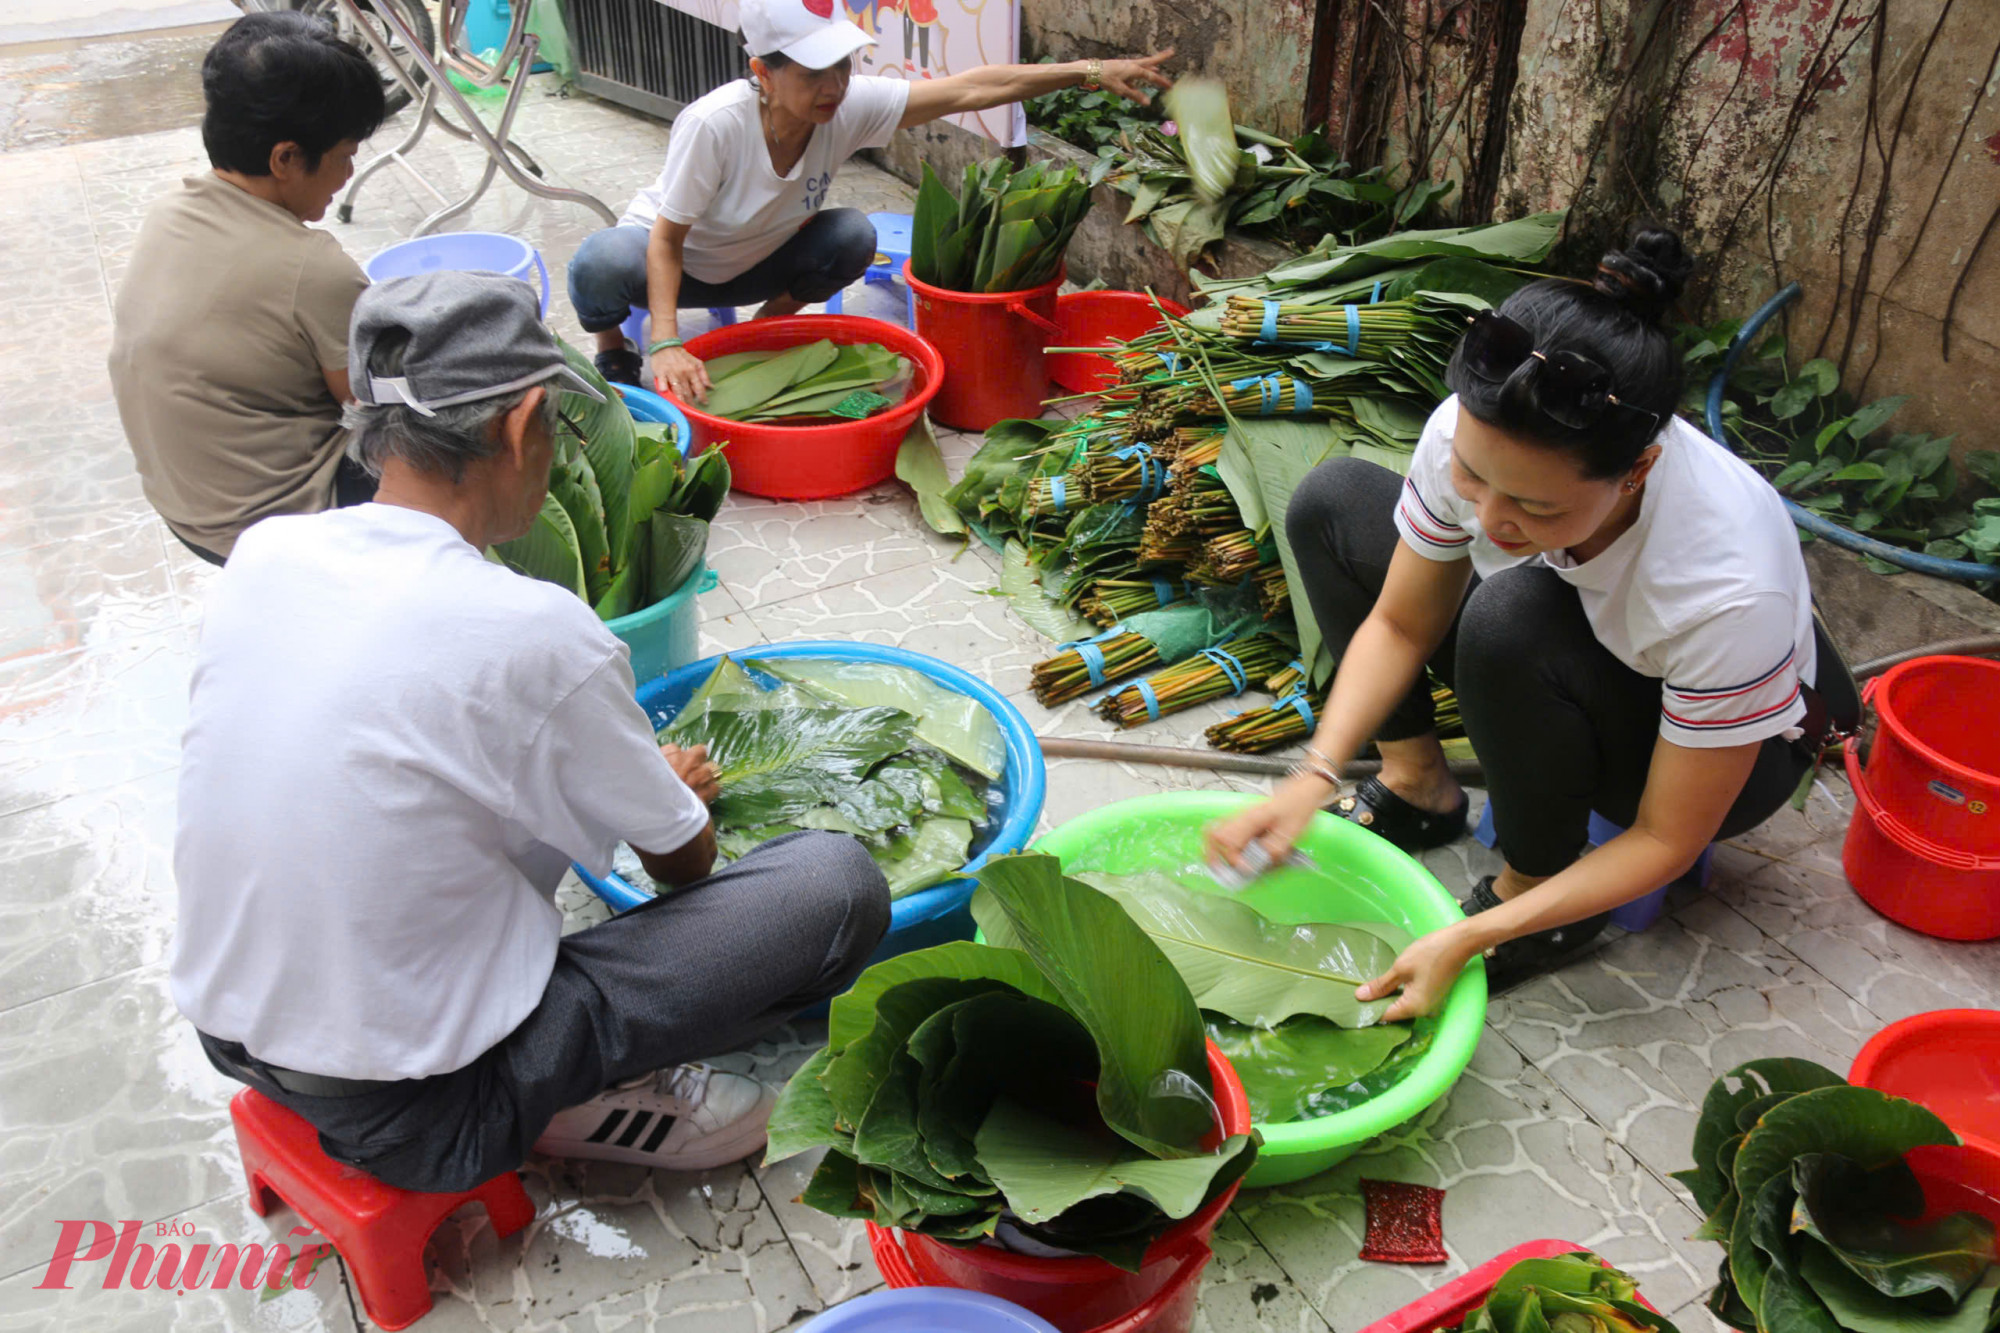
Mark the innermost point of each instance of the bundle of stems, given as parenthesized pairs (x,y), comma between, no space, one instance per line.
(1111,600)
(1176,446)
(1256,730)
(1107,477)
(1196,680)
(1065,676)
(1273,394)
(1274,594)
(1170,537)
(1371,332)
(1286,679)
(1194,455)
(1043,498)
(1228,558)
(1205,513)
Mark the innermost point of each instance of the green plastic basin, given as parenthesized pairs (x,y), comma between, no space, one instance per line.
(1360,878)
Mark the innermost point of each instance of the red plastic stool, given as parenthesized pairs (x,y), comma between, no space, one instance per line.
(378,1229)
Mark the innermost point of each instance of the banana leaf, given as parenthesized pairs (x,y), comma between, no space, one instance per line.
(920,466)
(1032,603)
(954,723)
(1251,969)
(704,485)
(1153,1085)
(586,517)
(933,219)
(675,549)
(549,550)
(1207,134)
(722,367)
(1187,227)
(1283,1068)
(1709,1180)
(754,385)
(929,853)
(1046,1167)
(1860,1307)
(774,764)
(1852,1213)
(608,443)
(1866,1126)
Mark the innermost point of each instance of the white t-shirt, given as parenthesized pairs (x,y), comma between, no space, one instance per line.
(1706,591)
(718,176)
(394,748)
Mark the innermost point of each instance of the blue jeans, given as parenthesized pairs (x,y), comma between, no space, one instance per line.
(608,276)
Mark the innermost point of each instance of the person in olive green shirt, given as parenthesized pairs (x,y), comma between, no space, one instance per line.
(229,346)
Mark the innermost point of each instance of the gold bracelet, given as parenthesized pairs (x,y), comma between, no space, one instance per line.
(1093,76)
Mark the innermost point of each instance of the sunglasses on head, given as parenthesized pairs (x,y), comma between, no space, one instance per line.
(1569,388)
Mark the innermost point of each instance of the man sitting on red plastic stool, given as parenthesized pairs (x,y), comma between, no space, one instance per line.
(395,748)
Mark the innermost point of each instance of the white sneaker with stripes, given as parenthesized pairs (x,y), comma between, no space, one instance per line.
(687,1118)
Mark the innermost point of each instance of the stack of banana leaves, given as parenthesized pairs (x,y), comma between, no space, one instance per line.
(1005,232)
(1149,532)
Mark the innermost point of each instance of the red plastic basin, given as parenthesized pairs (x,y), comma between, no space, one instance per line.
(1448,1306)
(993,342)
(813,462)
(1084,1294)
(1935,762)
(1912,880)
(1948,1061)
(1098,319)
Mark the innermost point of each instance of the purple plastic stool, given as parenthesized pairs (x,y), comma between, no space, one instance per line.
(1640,913)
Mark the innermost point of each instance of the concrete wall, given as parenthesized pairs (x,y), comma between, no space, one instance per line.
(1778,135)
(1258,48)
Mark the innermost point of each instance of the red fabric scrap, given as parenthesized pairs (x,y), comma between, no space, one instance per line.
(1405,1223)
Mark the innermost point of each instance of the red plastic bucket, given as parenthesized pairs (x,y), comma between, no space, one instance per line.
(1084,1294)
(1935,764)
(1912,880)
(813,462)
(1948,1061)
(993,344)
(1098,319)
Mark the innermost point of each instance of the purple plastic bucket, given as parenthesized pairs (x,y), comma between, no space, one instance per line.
(928,1310)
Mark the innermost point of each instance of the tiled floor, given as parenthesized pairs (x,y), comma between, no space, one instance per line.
(1578,1103)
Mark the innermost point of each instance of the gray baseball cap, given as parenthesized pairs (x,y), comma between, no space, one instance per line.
(471,336)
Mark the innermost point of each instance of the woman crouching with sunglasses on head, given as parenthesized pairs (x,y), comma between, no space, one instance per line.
(1617,600)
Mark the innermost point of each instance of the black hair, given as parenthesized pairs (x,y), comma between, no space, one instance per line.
(284,78)
(1617,320)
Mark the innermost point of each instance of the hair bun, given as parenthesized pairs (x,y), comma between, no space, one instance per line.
(1648,274)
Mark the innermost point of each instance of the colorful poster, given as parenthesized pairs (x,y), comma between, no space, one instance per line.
(923,39)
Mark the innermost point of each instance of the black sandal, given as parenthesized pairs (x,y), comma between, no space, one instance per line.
(1516,961)
(1379,810)
(621,365)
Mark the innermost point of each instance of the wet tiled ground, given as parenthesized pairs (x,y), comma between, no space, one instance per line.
(1578,1103)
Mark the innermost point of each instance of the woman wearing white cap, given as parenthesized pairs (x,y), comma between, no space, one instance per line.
(738,213)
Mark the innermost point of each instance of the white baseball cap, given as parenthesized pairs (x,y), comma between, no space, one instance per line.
(814,33)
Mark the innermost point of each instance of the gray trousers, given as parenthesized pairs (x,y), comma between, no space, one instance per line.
(1561,726)
(707,970)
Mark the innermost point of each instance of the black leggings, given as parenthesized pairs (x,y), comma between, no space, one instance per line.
(1561,726)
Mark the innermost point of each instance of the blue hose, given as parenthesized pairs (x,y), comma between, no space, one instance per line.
(1963,571)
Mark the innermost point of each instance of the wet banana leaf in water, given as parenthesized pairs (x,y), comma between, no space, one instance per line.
(955,723)
(676,545)
(774,764)
(1284,1068)
(1249,968)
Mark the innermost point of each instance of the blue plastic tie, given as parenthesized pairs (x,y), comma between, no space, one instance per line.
(1151,701)
(1302,398)
(1296,665)
(1164,590)
(1297,700)
(1269,333)
(1239,679)
(1059,492)
(1354,330)
(1375,295)
(1093,661)
(1171,360)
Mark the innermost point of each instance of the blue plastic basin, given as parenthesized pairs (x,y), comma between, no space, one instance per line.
(930,916)
(463,252)
(928,1310)
(647,406)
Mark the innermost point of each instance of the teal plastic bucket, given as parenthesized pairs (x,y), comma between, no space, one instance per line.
(1360,877)
(666,634)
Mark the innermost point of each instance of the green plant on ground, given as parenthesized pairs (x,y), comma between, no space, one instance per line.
(1839,459)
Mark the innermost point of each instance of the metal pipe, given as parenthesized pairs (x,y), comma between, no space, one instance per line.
(1961,571)
(1218,761)
(1978,645)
